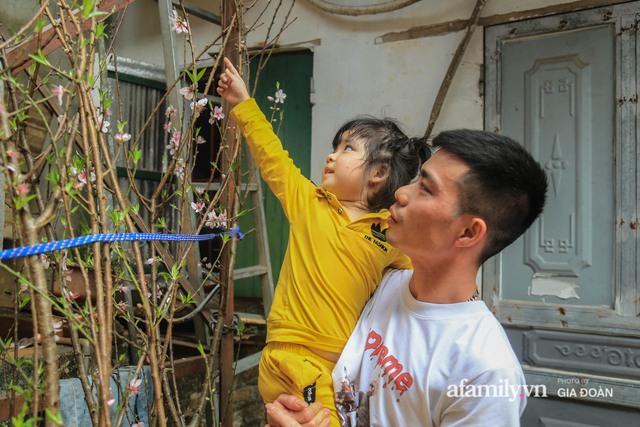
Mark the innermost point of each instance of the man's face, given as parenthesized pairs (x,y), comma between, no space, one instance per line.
(425,220)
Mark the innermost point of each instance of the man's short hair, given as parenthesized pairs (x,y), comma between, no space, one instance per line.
(505,185)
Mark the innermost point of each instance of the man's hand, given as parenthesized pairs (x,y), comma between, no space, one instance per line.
(291,411)
(231,86)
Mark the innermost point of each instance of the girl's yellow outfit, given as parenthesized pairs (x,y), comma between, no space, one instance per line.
(331,268)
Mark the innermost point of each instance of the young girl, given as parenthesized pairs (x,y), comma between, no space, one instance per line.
(337,248)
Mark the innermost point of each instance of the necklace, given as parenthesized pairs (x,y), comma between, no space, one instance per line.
(475,296)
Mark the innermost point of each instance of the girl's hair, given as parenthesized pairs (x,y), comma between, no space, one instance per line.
(386,144)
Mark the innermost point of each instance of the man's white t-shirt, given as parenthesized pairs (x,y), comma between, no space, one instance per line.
(411,363)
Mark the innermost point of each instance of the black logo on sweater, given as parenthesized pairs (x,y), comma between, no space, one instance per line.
(380,235)
(377,237)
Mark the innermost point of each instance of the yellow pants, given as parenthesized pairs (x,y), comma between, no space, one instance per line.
(294,369)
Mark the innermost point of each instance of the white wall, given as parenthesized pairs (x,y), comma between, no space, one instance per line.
(352,74)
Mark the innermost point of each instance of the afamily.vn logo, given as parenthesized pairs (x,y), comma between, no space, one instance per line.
(503,389)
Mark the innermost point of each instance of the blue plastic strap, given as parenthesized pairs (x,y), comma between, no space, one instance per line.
(106,238)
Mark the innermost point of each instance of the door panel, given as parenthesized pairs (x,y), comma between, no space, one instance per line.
(570,96)
(565,118)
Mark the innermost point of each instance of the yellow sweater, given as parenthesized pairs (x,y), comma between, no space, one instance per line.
(332,264)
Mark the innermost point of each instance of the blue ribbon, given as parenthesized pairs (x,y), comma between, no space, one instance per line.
(104,238)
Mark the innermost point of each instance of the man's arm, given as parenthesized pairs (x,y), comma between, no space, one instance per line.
(291,411)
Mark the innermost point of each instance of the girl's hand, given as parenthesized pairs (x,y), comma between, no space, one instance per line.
(231,87)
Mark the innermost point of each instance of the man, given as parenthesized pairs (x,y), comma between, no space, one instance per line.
(439,355)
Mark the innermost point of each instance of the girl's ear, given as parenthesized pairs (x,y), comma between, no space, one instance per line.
(474,233)
(379,174)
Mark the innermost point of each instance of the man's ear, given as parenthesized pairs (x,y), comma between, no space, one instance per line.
(474,233)
(379,174)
